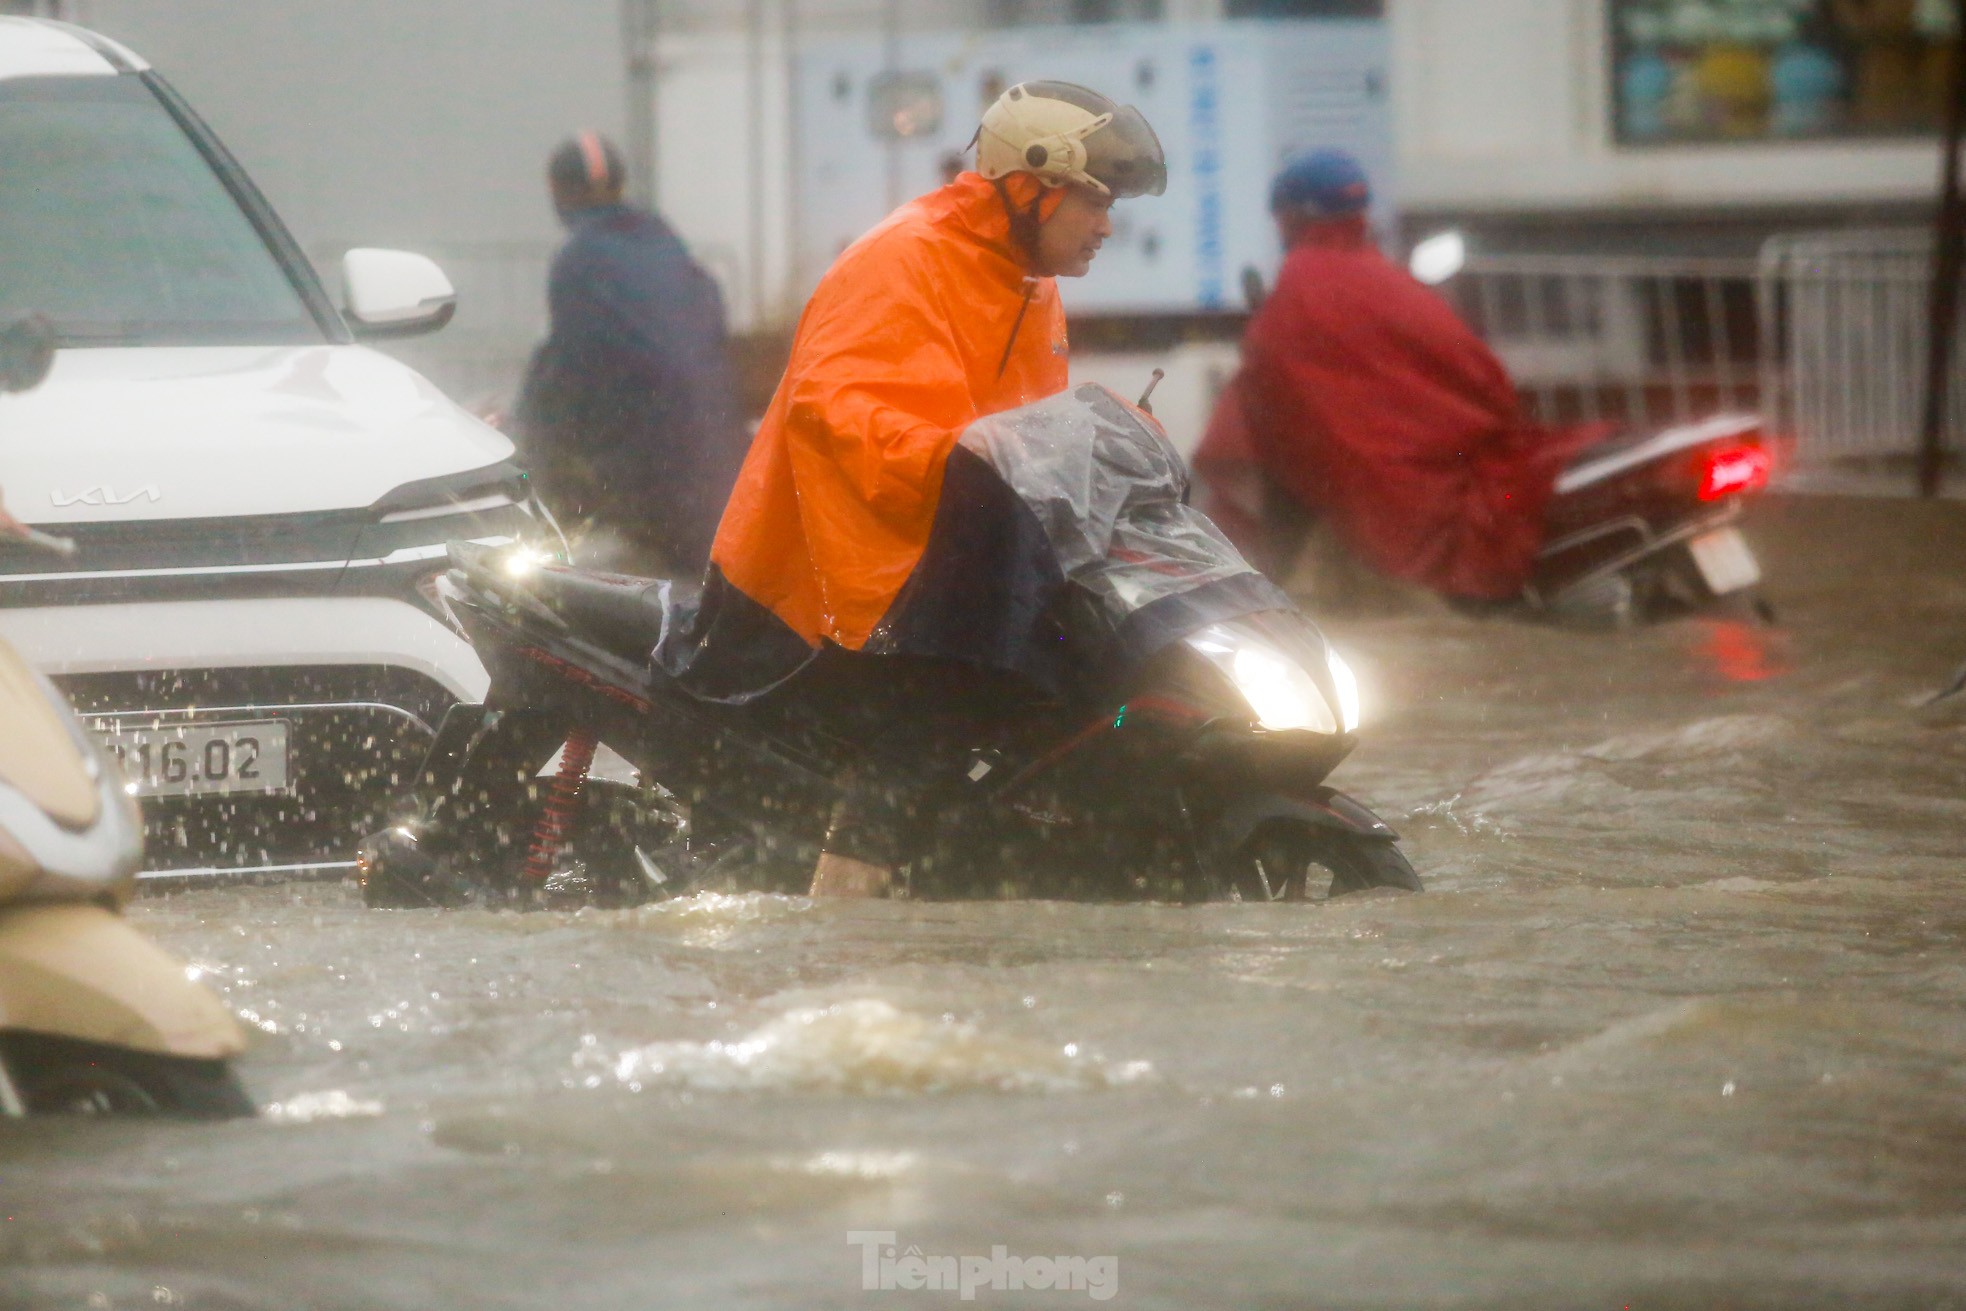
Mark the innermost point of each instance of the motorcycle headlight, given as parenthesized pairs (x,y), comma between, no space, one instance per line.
(1281,693)
(1346,684)
(523,561)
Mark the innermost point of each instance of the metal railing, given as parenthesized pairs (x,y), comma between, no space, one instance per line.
(1847,319)
(1640,341)
(1825,334)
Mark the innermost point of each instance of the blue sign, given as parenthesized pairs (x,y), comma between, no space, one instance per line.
(1205,129)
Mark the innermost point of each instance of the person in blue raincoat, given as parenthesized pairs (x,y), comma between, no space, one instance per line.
(629,414)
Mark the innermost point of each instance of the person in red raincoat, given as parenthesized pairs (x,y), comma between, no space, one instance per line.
(1364,401)
(944,313)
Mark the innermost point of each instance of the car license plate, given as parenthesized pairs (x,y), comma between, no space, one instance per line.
(176,760)
(1726,560)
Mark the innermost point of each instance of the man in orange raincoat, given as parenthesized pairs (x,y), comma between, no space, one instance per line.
(944,313)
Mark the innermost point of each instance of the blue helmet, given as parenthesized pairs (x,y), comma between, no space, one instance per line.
(1327,182)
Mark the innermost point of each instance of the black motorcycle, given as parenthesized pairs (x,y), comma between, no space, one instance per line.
(1173,743)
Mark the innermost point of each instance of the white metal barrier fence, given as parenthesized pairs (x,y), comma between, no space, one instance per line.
(1825,334)
(1847,317)
(1640,341)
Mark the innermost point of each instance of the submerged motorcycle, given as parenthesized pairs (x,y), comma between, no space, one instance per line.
(1180,752)
(1645,527)
(1642,525)
(94,1018)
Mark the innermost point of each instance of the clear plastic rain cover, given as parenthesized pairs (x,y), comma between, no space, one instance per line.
(1109,491)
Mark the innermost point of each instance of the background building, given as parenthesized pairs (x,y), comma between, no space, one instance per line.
(423,121)
(1610,127)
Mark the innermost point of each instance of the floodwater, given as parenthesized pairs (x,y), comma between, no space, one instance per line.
(1680,1022)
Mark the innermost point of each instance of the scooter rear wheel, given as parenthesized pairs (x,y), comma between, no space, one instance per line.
(65,1076)
(1287,860)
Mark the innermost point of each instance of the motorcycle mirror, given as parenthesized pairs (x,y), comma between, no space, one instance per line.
(1439,257)
(1254,293)
(1145,396)
(27,352)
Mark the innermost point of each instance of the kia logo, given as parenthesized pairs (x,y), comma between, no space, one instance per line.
(104,495)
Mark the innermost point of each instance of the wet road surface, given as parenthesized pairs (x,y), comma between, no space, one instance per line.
(1680,1022)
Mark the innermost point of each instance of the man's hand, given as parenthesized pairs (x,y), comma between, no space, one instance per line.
(13,530)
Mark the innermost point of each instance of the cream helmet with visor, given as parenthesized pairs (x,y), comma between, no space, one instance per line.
(1060,132)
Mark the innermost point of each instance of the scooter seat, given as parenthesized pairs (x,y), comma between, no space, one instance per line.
(1607,459)
(618,612)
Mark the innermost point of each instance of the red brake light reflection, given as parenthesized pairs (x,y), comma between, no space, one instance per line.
(1734,471)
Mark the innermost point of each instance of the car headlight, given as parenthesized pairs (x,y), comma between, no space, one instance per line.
(1281,693)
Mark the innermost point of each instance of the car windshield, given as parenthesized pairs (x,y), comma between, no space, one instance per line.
(115,227)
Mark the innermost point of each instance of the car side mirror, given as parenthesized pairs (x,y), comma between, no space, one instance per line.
(393,293)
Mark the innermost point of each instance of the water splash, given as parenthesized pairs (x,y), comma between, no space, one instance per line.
(868,1045)
(1474,825)
(334,1104)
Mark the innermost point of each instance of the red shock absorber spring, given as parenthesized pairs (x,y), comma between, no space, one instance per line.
(562,804)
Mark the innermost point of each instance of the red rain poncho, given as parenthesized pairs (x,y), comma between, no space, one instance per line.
(1365,398)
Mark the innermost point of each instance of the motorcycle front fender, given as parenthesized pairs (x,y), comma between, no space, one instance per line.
(82,972)
(1320,807)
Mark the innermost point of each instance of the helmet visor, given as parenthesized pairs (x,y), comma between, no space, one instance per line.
(1125,156)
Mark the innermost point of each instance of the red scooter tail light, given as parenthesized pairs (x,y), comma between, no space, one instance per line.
(1734,471)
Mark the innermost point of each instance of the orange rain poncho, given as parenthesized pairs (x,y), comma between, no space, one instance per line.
(927,323)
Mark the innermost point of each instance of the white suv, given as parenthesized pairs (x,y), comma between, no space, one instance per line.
(260,504)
